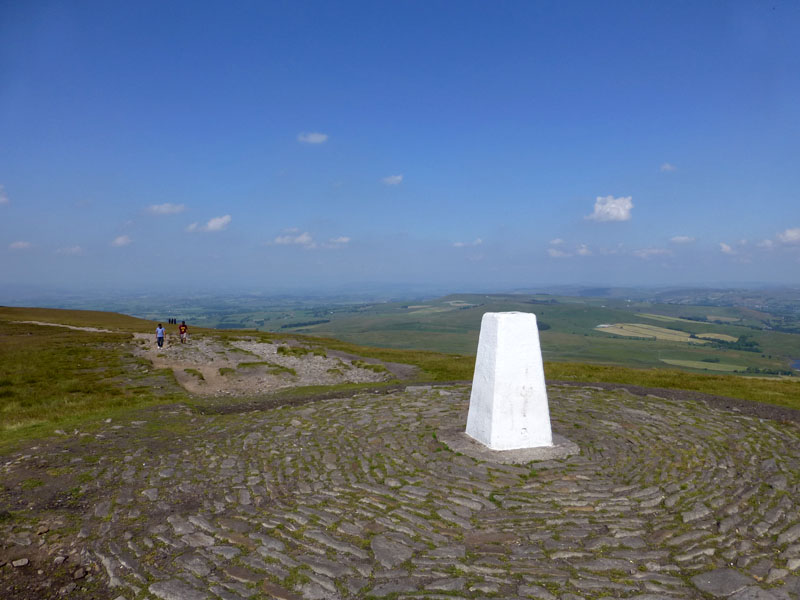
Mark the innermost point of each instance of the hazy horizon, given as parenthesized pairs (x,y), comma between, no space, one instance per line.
(444,145)
(364,292)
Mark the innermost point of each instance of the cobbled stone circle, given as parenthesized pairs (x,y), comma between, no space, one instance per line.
(359,498)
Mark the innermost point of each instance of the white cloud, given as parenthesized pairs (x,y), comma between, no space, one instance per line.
(608,208)
(122,240)
(303,239)
(556,253)
(312,138)
(726,249)
(645,253)
(70,251)
(766,244)
(583,250)
(556,242)
(218,223)
(790,236)
(166,209)
(667,168)
(393,180)
(682,239)
(215,224)
(477,242)
(3,196)
(20,245)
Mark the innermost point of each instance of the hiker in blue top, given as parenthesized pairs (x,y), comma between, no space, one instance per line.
(160,335)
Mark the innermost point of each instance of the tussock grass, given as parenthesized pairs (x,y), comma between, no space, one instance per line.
(375,368)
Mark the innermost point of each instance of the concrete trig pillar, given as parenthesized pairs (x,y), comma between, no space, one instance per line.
(508,406)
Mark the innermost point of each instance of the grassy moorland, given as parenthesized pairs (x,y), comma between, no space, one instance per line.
(55,378)
(77,318)
(52,377)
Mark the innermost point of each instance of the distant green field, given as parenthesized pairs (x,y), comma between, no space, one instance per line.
(642,331)
(717,336)
(452,324)
(705,366)
(662,318)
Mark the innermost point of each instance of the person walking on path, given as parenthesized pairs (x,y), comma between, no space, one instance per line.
(184,331)
(160,335)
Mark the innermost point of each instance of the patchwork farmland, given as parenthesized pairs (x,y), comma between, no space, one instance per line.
(642,331)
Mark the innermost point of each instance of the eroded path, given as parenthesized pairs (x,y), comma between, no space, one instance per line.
(208,366)
(356,497)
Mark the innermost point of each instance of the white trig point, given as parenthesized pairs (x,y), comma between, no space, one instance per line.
(508,407)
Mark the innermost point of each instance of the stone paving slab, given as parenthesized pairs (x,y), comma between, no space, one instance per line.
(359,497)
(458,441)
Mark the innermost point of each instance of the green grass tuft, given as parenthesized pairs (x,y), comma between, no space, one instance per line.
(375,368)
(196,373)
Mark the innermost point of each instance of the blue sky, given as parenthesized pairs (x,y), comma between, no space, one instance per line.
(267,145)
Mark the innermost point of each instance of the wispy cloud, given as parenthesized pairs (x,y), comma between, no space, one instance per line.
(337,242)
(667,168)
(312,137)
(300,239)
(166,209)
(726,249)
(646,253)
(215,224)
(766,244)
(608,208)
(682,239)
(71,251)
(476,242)
(556,245)
(122,240)
(556,253)
(790,236)
(3,196)
(393,180)
(20,245)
